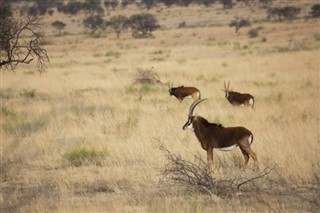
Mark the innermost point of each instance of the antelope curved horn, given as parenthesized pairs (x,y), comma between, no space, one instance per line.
(193,105)
(170,84)
(228,85)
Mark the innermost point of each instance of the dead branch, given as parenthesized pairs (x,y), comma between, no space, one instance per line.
(196,176)
(265,172)
(21,43)
(147,77)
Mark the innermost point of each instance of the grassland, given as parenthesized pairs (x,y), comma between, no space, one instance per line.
(83,138)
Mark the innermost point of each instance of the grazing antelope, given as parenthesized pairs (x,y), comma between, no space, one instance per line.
(215,136)
(236,98)
(183,92)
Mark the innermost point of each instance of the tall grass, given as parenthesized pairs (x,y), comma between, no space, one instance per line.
(87,104)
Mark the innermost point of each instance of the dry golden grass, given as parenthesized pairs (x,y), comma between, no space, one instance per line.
(87,101)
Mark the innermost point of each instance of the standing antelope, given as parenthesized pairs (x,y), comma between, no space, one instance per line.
(183,92)
(236,98)
(215,136)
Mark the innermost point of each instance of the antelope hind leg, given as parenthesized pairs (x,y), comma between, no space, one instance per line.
(246,157)
(254,157)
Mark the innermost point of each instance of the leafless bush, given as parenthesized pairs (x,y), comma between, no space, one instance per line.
(147,76)
(196,176)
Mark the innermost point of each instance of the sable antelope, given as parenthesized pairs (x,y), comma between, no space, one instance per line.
(236,98)
(215,136)
(183,92)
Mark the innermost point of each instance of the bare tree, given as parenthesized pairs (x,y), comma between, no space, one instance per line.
(197,176)
(21,42)
(238,23)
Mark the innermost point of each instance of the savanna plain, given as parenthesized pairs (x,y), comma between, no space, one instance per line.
(84,136)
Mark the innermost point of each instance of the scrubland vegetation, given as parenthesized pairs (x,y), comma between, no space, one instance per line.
(86,135)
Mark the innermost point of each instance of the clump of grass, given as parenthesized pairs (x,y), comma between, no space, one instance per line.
(279,97)
(307,84)
(113,54)
(130,90)
(21,126)
(224,64)
(84,156)
(145,88)
(29,93)
(158,59)
(236,45)
(265,83)
(29,72)
(316,36)
(182,60)
(253,33)
(222,43)
(158,52)
(203,78)
(8,112)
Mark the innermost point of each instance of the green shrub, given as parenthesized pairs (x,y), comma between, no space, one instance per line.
(24,127)
(8,112)
(316,36)
(264,39)
(29,93)
(253,33)
(83,156)
(145,88)
(113,54)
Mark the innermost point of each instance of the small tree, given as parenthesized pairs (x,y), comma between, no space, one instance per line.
(21,42)
(59,25)
(118,24)
(266,3)
(5,9)
(143,25)
(92,6)
(290,12)
(253,33)
(227,4)
(315,11)
(283,13)
(94,23)
(239,23)
(149,3)
(111,4)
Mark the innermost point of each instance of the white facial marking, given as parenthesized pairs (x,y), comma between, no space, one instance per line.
(190,126)
(228,148)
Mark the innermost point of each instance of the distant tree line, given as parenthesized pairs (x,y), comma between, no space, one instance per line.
(98,6)
(142,25)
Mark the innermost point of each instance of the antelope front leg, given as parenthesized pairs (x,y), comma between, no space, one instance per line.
(210,158)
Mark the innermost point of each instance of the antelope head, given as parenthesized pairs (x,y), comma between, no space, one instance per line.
(191,117)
